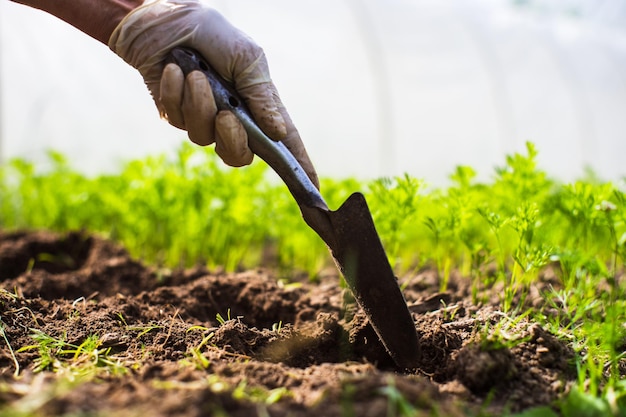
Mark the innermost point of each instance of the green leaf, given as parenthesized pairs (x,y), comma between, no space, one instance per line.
(581,404)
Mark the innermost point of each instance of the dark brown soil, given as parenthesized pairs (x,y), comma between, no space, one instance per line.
(280,348)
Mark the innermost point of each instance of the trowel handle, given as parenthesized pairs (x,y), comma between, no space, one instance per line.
(274,153)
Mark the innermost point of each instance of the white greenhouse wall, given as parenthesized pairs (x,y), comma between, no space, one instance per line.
(376,87)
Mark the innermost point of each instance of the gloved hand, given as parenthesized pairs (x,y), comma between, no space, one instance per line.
(147,34)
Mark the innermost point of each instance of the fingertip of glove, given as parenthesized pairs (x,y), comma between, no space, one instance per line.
(231,142)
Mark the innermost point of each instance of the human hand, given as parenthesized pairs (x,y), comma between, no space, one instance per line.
(149,32)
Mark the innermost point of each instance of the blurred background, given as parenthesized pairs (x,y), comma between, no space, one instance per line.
(376,87)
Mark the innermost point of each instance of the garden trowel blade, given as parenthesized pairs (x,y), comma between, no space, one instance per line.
(360,256)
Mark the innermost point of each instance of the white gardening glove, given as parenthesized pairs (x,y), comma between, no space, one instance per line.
(148,33)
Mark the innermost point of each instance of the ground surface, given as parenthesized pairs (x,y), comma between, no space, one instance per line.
(278,348)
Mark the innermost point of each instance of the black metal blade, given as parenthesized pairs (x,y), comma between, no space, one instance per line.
(360,256)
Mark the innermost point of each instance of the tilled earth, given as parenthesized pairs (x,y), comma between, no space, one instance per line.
(197,342)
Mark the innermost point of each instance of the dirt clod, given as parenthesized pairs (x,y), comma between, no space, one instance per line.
(482,370)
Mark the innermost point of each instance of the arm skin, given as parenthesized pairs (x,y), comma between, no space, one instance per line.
(96,18)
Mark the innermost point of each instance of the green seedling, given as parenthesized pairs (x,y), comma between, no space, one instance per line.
(87,358)
(11,352)
(221,320)
(198,360)
(394,202)
(144,329)
(48,348)
(506,333)
(120,316)
(397,404)
(277,327)
(259,395)
(449,312)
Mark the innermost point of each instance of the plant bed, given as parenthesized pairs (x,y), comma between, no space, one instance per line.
(88,330)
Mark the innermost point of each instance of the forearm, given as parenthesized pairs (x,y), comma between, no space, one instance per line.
(96,18)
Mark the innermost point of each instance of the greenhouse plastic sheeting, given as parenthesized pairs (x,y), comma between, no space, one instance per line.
(375,87)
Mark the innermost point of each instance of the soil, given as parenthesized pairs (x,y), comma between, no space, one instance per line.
(197,342)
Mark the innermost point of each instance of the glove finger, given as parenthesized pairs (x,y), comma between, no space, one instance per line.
(171,95)
(294,143)
(231,140)
(261,101)
(199,109)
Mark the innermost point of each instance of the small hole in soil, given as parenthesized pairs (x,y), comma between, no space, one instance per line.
(42,251)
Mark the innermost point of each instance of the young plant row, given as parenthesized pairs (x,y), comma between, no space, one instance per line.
(171,211)
(191,208)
